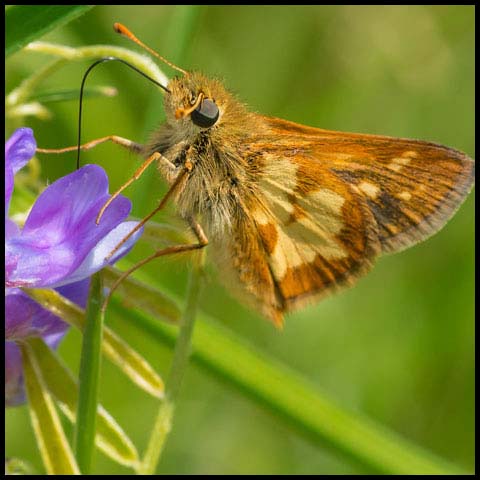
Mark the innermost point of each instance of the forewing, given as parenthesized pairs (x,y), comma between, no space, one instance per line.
(325,204)
(411,187)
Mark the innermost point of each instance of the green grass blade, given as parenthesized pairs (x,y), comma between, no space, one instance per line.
(181,354)
(63,386)
(54,448)
(67,95)
(290,396)
(139,295)
(89,377)
(132,364)
(120,353)
(25,23)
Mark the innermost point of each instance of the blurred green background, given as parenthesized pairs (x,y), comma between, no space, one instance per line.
(398,347)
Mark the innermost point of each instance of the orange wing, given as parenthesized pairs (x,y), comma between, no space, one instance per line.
(412,187)
(325,204)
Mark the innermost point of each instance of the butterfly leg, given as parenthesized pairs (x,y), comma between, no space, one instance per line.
(177,184)
(166,165)
(181,177)
(138,173)
(124,142)
(202,242)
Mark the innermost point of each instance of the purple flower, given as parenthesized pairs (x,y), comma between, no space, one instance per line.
(60,247)
(19,149)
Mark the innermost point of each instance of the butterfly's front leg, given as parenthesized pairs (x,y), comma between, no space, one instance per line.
(123,142)
(172,161)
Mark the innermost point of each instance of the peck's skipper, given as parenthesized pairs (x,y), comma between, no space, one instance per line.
(292,212)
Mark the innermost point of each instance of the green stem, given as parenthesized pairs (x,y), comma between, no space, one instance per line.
(25,90)
(84,441)
(163,422)
(183,346)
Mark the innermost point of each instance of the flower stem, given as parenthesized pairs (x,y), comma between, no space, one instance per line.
(84,441)
(182,348)
(24,91)
(163,422)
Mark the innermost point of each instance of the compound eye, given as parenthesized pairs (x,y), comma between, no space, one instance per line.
(206,114)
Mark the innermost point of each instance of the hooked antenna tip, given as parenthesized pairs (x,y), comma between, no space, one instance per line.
(119,28)
(123,30)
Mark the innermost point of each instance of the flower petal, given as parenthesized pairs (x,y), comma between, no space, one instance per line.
(60,230)
(95,261)
(26,318)
(76,292)
(14,391)
(8,186)
(20,148)
(11,228)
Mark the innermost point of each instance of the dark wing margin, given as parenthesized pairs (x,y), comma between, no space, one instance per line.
(418,189)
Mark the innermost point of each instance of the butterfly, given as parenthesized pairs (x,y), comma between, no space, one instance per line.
(291,213)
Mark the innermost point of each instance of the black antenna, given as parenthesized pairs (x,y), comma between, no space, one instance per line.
(98,62)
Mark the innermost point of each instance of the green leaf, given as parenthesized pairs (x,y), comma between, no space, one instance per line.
(94,91)
(128,360)
(25,23)
(135,294)
(290,396)
(110,437)
(132,364)
(54,448)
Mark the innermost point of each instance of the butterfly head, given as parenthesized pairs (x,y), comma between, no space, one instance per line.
(193,102)
(197,103)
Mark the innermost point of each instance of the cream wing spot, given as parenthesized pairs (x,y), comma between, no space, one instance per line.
(278,183)
(306,226)
(329,199)
(404,196)
(300,241)
(369,189)
(398,163)
(325,221)
(287,254)
(261,217)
